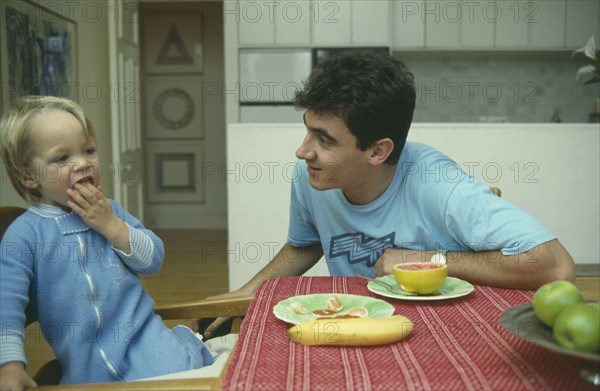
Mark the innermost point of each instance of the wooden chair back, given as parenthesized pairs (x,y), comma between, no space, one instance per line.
(8,214)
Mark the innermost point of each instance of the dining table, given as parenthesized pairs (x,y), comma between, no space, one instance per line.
(457,343)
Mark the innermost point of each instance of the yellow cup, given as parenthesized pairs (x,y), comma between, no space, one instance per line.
(423,278)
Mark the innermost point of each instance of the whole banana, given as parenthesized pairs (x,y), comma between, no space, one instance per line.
(352,331)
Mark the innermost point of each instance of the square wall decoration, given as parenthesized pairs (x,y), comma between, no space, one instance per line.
(174,107)
(173,43)
(175,171)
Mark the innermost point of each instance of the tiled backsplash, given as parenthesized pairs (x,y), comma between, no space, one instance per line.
(467,87)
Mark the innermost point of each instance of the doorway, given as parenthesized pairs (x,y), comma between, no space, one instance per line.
(183,121)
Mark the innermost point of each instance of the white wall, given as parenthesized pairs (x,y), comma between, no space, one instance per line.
(551,171)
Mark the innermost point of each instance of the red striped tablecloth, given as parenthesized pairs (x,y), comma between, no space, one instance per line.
(456,344)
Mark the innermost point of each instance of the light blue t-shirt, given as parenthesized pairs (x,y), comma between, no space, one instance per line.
(431,204)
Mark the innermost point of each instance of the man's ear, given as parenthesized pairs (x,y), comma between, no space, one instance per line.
(380,151)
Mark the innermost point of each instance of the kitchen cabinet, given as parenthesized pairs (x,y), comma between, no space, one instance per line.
(549,25)
(292,25)
(442,23)
(281,22)
(370,22)
(582,22)
(477,24)
(285,23)
(547,22)
(420,24)
(445,24)
(408,25)
(255,22)
(457,25)
(494,24)
(331,22)
(512,24)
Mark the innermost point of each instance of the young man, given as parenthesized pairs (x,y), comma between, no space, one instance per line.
(363,198)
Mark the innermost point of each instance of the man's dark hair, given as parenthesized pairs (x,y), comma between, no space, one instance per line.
(371,91)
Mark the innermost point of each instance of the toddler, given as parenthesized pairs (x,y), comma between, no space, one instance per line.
(76,255)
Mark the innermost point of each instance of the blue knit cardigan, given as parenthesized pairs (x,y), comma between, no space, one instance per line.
(91,305)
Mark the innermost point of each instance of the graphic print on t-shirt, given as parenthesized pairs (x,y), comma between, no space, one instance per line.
(359,247)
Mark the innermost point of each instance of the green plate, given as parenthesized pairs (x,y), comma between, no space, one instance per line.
(453,287)
(377,308)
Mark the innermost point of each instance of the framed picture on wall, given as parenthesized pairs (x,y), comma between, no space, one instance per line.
(173,43)
(175,171)
(174,107)
(39,55)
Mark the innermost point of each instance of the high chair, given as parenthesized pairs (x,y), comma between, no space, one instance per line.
(49,374)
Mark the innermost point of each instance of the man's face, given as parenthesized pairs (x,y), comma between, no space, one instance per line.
(331,153)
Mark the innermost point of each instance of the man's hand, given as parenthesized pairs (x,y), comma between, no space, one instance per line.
(527,270)
(13,377)
(392,256)
(211,330)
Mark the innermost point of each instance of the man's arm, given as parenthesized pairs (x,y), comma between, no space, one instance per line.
(289,261)
(529,270)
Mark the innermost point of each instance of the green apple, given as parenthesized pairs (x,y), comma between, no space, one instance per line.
(551,298)
(577,327)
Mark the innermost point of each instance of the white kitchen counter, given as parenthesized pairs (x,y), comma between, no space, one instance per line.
(550,170)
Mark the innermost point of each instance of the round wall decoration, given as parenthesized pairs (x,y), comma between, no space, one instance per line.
(174,108)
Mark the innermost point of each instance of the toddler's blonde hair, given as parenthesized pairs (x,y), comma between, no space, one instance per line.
(15,129)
